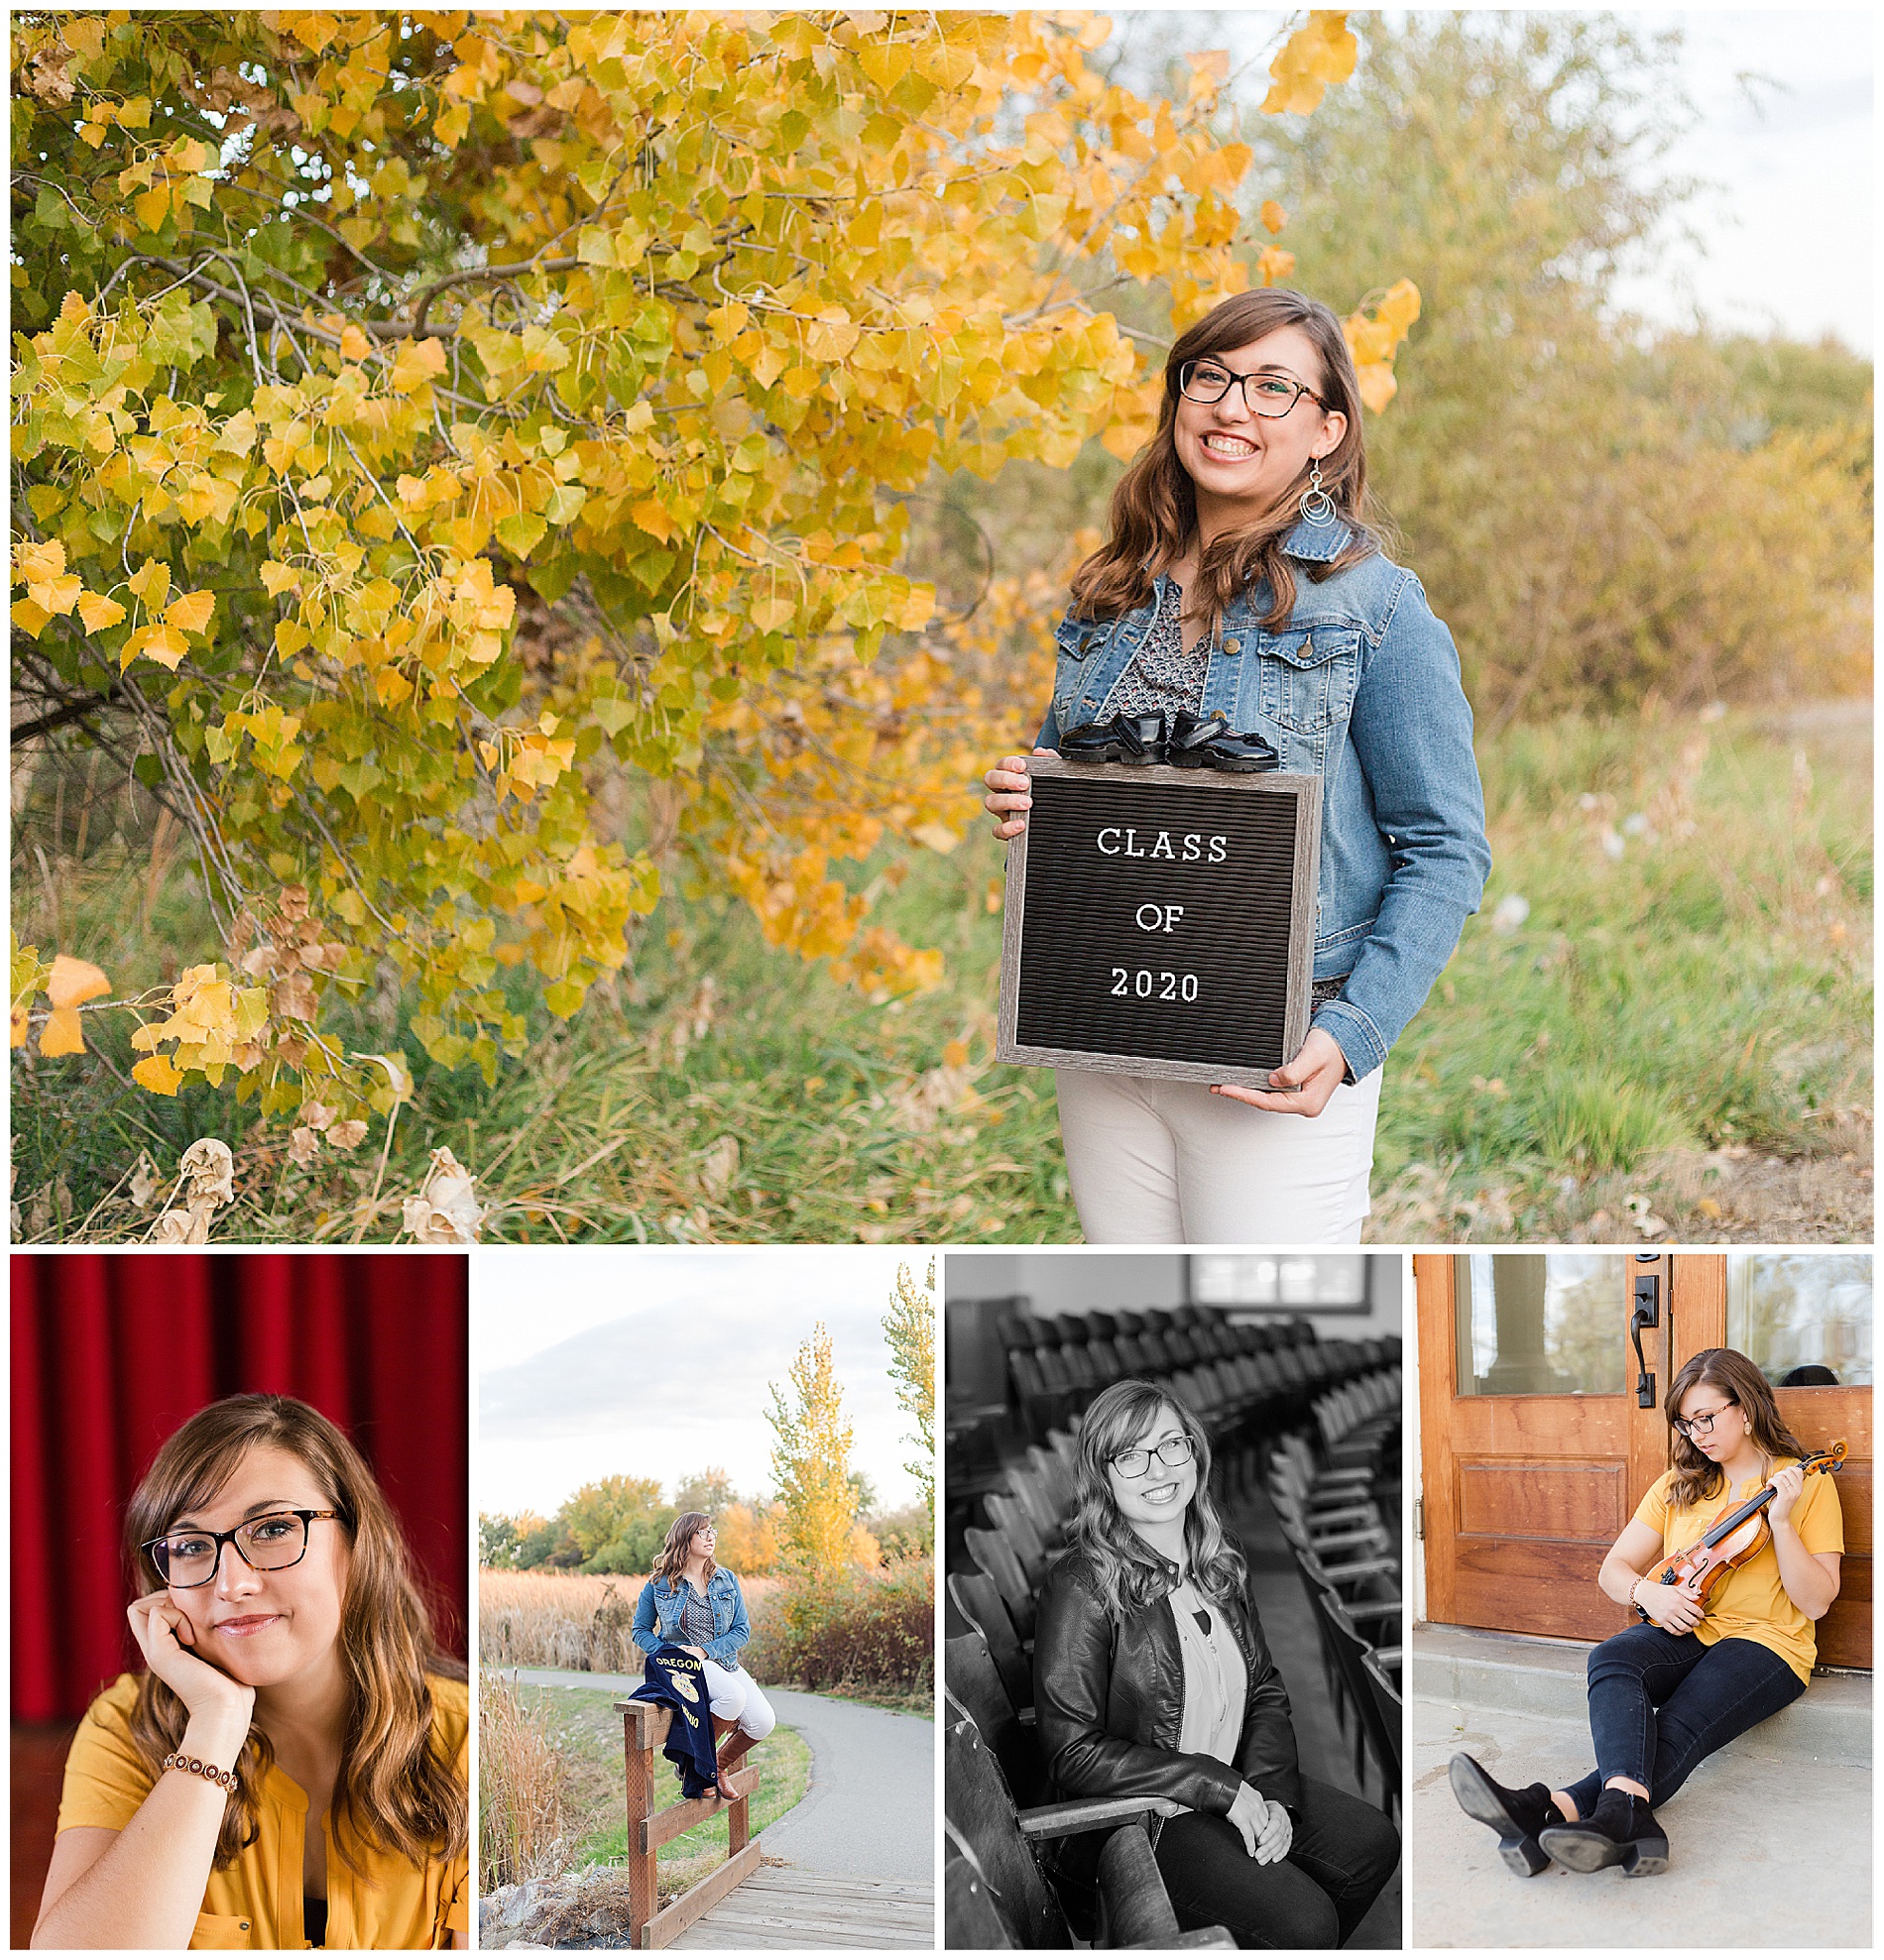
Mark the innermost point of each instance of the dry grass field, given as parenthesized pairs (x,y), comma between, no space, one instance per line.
(577,1620)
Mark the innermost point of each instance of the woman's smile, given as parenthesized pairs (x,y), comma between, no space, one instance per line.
(1162,1493)
(245,1626)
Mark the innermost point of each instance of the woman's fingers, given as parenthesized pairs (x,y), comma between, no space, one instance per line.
(1009,794)
(1008,798)
(1290,1103)
(150,1617)
(1303,1085)
(1272,1842)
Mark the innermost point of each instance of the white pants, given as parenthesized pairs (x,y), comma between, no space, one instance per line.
(1167,1163)
(735,1696)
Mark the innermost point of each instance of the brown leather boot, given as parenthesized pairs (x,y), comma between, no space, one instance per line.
(732,1748)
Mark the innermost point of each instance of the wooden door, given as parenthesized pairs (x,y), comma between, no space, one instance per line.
(1525,1483)
(1535,1447)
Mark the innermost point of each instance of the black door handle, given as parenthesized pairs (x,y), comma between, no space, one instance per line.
(1648,1313)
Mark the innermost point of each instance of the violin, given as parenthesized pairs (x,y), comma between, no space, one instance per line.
(1736,1534)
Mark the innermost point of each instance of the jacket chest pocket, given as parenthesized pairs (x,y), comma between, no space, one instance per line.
(1309,675)
(1076,642)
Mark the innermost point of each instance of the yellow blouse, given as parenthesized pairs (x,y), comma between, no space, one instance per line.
(1751,1602)
(256,1901)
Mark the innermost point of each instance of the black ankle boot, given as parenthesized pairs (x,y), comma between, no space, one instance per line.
(1621,1830)
(1517,1815)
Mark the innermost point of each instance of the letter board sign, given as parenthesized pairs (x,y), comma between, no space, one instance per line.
(1160,921)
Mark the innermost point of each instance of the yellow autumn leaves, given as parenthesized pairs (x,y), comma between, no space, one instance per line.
(211,1020)
(1312,58)
(214,1023)
(1372,332)
(658,335)
(53,592)
(67,983)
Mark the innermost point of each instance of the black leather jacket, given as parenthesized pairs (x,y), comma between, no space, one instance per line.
(1109,1701)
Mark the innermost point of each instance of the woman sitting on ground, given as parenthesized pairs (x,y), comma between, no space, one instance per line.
(1696,1672)
(1153,1679)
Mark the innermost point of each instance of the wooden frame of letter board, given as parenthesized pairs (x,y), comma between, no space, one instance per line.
(1306,793)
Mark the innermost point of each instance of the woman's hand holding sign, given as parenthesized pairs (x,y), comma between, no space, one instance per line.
(1300,1088)
(1009,794)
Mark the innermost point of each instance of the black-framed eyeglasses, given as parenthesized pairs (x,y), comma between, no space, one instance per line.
(266,1545)
(1701,1421)
(1268,394)
(1172,1452)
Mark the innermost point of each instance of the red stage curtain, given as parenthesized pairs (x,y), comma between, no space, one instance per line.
(112,1351)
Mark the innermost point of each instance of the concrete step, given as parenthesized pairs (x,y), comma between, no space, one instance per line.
(1531,1676)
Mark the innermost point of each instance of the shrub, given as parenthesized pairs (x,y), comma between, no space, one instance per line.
(853,1629)
(521,1831)
(908,1533)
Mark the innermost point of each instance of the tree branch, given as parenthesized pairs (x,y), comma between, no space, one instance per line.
(70,711)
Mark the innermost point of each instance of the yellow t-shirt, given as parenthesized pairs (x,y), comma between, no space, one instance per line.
(1751,1603)
(256,1901)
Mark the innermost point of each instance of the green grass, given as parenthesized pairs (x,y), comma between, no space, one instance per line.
(1683,1030)
(587,1730)
(920,1704)
(1704,991)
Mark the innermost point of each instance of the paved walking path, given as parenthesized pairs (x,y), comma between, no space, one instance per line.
(870,1809)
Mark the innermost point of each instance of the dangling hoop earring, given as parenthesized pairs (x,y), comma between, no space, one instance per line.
(1317,505)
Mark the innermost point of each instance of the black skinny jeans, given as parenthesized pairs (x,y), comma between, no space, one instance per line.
(1661,1702)
(1342,1853)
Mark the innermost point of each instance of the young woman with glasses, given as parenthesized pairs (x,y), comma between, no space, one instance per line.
(695,1603)
(1241,616)
(1153,1679)
(290,1769)
(1694,1672)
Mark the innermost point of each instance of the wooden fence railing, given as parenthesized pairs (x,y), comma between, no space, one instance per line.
(645,1729)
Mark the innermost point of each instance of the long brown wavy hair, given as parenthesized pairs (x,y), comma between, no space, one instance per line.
(672,1560)
(395,1791)
(1153,514)
(1728,1370)
(1131,1574)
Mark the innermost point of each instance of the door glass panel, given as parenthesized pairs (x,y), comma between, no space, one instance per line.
(1804,1318)
(1540,1323)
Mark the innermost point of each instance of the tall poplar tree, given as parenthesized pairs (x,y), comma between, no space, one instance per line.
(811,1460)
(909,1328)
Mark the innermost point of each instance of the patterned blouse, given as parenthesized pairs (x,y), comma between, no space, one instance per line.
(697,1618)
(1161,674)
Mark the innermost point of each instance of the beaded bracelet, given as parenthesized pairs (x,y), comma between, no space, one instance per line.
(223,1779)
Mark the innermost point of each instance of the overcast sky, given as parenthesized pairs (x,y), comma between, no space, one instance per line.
(1783,126)
(594,1360)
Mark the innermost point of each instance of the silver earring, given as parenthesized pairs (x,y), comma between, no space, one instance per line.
(1317,505)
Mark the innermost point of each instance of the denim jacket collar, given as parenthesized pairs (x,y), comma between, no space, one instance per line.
(717,1586)
(1319,544)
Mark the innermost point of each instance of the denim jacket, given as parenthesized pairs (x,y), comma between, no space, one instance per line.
(657,1617)
(1361,689)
